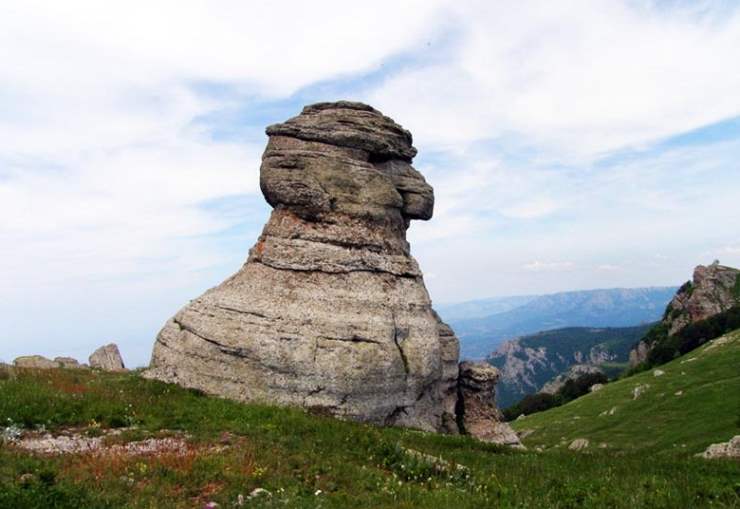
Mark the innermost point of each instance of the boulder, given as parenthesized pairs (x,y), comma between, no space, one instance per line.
(107,358)
(729,449)
(596,387)
(68,362)
(579,444)
(639,390)
(477,409)
(36,362)
(330,310)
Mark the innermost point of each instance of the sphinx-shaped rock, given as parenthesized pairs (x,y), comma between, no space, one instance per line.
(330,309)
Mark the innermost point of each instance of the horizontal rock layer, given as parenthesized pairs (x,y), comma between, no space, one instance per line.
(330,310)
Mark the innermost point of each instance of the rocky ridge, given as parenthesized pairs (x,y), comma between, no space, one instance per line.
(546,360)
(105,358)
(713,289)
(330,310)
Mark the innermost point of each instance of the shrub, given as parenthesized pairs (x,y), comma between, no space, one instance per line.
(665,348)
(572,389)
(575,388)
(531,404)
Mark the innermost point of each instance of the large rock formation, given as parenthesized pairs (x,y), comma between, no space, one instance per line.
(330,309)
(714,289)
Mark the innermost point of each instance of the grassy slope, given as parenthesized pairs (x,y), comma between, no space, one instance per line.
(293,454)
(660,422)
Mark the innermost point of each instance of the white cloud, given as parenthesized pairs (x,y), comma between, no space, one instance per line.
(573,78)
(529,209)
(731,250)
(105,164)
(540,266)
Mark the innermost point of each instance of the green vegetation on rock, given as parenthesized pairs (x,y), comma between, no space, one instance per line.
(665,348)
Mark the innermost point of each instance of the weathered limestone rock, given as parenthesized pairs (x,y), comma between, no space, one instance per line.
(330,309)
(477,408)
(713,289)
(639,353)
(573,373)
(107,358)
(579,444)
(69,362)
(729,449)
(36,362)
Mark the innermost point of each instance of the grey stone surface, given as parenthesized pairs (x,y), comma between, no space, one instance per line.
(107,358)
(330,309)
(579,444)
(478,413)
(712,290)
(35,361)
(729,449)
(69,362)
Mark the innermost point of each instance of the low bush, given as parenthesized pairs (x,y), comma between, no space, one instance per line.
(572,389)
(665,348)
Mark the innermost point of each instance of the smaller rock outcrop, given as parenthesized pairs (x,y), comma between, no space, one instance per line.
(35,362)
(714,289)
(69,362)
(579,444)
(573,373)
(107,358)
(639,353)
(477,410)
(729,449)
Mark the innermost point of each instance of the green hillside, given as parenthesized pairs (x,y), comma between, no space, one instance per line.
(695,402)
(228,450)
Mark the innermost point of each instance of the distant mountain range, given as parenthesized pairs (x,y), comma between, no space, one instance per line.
(481,308)
(483,325)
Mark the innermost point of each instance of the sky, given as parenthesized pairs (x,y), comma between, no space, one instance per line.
(571,145)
